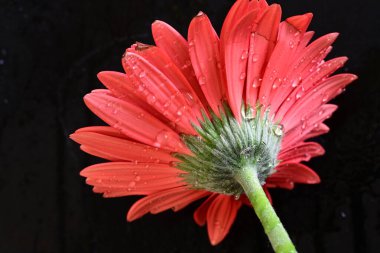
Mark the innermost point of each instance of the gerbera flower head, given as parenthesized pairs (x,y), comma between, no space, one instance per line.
(188,116)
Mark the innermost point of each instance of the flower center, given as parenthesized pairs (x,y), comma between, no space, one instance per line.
(225,146)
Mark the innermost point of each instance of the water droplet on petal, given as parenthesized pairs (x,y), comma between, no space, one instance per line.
(142,74)
(242,76)
(151,99)
(256,83)
(277,82)
(303,126)
(255,58)
(141,87)
(167,103)
(162,138)
(202,80)
(137,178)
(189,98)
(278,130)
(244,55)
(181,110)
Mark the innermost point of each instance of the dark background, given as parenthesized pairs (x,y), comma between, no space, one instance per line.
(50,53)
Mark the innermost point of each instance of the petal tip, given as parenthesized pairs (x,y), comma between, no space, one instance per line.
(200,14)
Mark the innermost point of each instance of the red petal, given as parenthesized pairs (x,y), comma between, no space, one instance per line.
(200,215)
(105,130)
(182,202)
(321,129)
(161,92)
(134,122)
(276,73)
(238,10)
(161,200)
(304,64)
(280,183)
(260,50)
(117,149)
(176,47)
(314,98)
(303,151)
(295,172)
(220,216)
(324,70)
(159,59)
(307,125)
(124,87)
(236,54)
(122,178)
(205,57)
(300,22)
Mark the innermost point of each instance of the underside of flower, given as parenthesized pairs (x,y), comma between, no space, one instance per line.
(168,110)
(225,146)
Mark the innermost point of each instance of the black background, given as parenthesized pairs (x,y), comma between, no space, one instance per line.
(50,53)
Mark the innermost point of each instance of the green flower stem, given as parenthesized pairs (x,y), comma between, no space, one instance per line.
(279,238)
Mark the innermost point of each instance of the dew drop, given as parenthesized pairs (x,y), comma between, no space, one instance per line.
(162,138)
(277,83)
(141,87)
(303,126)
(202,80)
(298,95)
(244,55)
(189,98)
(137,178)
(181,110)
(167,103)
(132,184)
(255,58)
(340,91)
(151,99)
(256,83)
(294,84)
(242,76)
(278,130)
(142,74)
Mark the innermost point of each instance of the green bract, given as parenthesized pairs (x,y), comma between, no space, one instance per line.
(225,146)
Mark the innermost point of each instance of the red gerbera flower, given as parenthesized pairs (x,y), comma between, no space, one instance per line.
(189,116)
